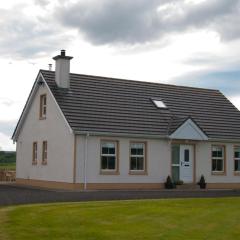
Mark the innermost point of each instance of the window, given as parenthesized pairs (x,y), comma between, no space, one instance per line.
(159,103)
(109,156)
(237,159)
(34,153)
(44,152)
(137,157)
(218,160)
(43,106)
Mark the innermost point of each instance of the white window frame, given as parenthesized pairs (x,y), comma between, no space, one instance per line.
(236,159)
(218,159)
(109,155)
(140,156)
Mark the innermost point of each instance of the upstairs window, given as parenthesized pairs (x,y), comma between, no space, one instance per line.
(159,103)
(218,159)
(43,106)
(44,153)
(237,159)
(34,154)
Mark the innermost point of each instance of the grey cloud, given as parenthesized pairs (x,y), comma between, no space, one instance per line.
(129,22)
(25,37)
(7,127)
(226,81)
(42,3)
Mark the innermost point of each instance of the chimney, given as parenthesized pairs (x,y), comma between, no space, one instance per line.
(62,70)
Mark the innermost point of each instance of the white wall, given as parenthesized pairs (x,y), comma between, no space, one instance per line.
(158,161)
(203,163)
(60,143)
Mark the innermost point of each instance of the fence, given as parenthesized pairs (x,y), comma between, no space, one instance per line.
(7,176)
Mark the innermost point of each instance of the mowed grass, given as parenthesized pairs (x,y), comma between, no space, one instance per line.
(182,219)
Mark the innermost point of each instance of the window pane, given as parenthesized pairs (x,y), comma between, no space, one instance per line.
(217,151)
(237,165)
(237,152)
(133,151)
(104,163)
(175,154)
(133,163)
(140,165)
(137,149)
(104,150)
(186,155)
(219,165)
(140,151)
(111,162)
(111,150)
(175,173)
(214,165)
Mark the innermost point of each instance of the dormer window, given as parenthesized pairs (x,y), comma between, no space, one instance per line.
(43,106)
(159,103)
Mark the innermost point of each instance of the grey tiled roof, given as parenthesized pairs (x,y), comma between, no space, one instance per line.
(98,104)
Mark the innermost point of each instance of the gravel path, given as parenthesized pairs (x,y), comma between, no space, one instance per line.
(11,194)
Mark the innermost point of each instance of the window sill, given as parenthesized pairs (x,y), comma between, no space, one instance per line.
(42,118)
(137,172)
(44,163)
(109,172)
(219,173)
(34,163)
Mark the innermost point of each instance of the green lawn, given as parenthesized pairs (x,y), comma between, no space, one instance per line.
(182,219)
(8,166)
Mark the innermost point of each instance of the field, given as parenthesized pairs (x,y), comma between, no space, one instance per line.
(122,220)
(7,160)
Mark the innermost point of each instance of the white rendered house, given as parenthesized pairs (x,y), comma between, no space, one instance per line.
(88,132)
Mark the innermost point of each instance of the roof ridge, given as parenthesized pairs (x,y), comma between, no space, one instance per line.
(139,81)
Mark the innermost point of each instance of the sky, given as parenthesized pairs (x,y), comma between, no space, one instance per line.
(182,42)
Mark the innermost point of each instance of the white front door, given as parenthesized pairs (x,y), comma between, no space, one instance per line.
(186,163)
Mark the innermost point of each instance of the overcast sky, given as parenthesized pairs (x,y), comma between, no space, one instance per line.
(184,42)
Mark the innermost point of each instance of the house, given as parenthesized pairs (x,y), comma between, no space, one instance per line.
(88,132)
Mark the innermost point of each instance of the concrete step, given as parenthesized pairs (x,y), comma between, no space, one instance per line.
(188,186)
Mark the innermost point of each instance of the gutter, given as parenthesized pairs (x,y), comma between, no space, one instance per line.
(121,135)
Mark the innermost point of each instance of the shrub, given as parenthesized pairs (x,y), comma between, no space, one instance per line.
(169,183)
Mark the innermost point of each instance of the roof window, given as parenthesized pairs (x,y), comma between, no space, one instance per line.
(159,103)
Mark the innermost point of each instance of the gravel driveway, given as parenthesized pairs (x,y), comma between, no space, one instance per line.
(11,195)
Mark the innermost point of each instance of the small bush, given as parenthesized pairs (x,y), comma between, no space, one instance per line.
(169,183)
(202,183)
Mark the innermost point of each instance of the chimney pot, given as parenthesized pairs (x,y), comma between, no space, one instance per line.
(50,67)
(63,53)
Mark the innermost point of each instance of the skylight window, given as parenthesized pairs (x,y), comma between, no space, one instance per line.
(159,103)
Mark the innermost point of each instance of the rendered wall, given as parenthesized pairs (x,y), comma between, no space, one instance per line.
(60,141)
(158,161)
(203,163)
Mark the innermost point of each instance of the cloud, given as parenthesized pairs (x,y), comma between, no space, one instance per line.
(7,127)
(141,21)
(25,34)
(42,3)
(227,82)
(6,143)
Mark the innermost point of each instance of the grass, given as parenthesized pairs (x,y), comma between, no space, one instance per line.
(122,220)
(8,166)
